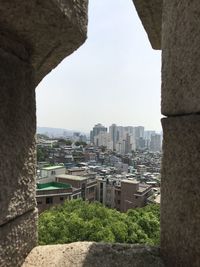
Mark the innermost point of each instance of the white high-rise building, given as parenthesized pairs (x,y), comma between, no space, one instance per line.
(98,128)
(113,130)
(103,139)
(155,143)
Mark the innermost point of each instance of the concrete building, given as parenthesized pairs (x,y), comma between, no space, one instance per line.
(131,194)
(51,194)
(87,186)
(76,171)
(97,129)
(103,139)
(155,143)
(113,131)
(139,132)
(106,192)
(48,174)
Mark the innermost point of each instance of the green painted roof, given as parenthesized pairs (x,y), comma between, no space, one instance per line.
(52,186)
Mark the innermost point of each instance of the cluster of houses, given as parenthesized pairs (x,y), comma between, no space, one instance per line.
(56,184)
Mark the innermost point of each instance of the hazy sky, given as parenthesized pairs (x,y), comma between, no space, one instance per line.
(114,77)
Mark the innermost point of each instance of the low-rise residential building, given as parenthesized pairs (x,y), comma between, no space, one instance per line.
(106,192)
(76,171)
(51,194)
(87,186)
(131,194)
(48,174)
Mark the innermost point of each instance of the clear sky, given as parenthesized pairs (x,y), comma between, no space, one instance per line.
(114,77)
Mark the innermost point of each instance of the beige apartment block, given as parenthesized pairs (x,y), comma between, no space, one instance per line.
(131,194)
(86,185)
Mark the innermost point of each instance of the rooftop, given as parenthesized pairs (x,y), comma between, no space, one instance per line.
(52,186)
(72,177)
(143,187)
(133,181)
(50,168)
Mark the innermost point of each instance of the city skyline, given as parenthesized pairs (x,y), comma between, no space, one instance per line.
(113,78)
(42,129)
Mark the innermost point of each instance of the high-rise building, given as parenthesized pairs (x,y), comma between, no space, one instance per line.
(147,134)
(113,130)
(139,132)
(98,128)
(103,139)
(139,135)
(155,143)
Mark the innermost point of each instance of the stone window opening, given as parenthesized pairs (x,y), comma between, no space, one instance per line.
(29,51)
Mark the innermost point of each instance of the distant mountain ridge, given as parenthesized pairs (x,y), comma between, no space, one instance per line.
(56,132)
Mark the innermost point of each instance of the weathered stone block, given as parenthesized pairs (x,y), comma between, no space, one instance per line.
(150,13)
(180,187)
(17,135)
(91,254)
(17,238)
(49,29)
(180,57)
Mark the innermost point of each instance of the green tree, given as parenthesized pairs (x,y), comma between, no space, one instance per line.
(80,143)
(42,154)
(78,220)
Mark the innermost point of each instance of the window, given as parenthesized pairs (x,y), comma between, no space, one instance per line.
(91,190)
(49,200)
(39,202)
(61,198)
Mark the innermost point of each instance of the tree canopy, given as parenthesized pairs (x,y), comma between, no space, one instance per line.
(78,220)
(80,143)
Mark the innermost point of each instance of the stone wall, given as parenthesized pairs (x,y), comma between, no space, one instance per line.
(91,254)
(180,216)
(179,39)
(35,36)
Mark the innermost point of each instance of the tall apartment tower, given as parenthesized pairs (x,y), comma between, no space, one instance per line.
(139,135)
(97,129)
(113,130)
(155,143)
(139,132)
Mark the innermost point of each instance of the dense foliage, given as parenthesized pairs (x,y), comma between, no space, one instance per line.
(77,220)
(42,154)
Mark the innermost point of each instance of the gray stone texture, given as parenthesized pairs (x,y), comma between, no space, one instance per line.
(180,212)
(17,135)
(35,36)
(180,57)
(90,254)
(17,238)
(150,13)
(49,29)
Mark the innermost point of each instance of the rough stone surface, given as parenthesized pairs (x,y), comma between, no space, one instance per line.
(35,35)
(90,254)
(150,13)
(17,238)
(17,135)
(180,212)
(49,29)
(180,60)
